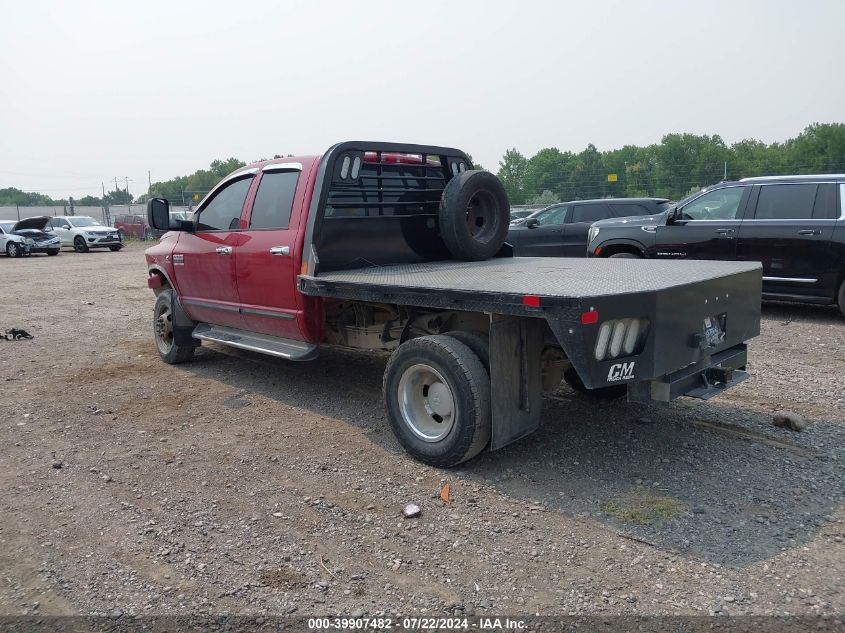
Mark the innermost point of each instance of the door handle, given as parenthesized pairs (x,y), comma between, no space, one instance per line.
(223,250)
(280,250)
(809,232)
(724,231)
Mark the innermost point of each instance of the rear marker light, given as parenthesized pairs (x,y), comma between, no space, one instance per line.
(531,301)
(588,318)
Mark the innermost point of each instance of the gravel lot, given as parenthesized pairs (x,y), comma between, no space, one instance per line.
(246,485)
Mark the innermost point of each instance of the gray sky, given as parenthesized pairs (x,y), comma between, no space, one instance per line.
(97,90)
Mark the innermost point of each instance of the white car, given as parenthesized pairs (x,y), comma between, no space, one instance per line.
(83,233)
(28,236)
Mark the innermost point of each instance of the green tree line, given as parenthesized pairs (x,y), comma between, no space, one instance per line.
(11,196)
(678,165)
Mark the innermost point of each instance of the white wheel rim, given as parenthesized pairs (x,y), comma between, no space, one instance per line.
(426,403)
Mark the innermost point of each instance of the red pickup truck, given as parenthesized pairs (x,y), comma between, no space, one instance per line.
(400,248)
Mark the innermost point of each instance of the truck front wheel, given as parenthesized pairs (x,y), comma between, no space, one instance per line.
(170,352)
(437,396)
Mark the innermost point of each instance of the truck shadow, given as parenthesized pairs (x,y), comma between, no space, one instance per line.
(706,480)
(781,311)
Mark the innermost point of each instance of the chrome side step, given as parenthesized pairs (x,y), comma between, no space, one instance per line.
(263,343)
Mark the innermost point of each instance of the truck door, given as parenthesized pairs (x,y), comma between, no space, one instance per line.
(545,239)
(790,232)
(268,260)
(704,228)
(578,222)
(204,261)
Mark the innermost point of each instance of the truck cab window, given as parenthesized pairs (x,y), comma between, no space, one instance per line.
(274,200)
(225,208)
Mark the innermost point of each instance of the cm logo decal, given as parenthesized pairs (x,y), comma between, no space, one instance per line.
(620,371)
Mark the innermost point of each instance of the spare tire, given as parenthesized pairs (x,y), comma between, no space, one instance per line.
(474,215)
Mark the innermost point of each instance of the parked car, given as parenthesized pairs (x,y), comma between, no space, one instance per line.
(794,225)
(28,236)
(561,229)
(133,226)
(288,256)
(83,233)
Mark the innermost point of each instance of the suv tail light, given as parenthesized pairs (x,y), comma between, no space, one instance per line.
(620,338)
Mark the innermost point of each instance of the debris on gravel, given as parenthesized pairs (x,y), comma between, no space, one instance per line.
(411,511)
(789,420)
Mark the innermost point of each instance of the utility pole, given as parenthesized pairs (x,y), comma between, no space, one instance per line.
(149,183)
(115,184)
(726,170)
(127,184)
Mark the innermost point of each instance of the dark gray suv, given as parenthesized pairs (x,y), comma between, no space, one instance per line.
(561,229)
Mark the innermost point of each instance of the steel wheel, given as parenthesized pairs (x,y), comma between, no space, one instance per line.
(163,327)
(482,217)
(426,403)
(169,347)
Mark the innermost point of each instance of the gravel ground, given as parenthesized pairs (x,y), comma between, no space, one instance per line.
(242,484)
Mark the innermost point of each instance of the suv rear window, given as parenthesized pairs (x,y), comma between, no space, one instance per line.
(786,202)
(590,213)
(625,210)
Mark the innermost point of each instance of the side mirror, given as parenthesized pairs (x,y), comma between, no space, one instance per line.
(532,223)
(676,216)
(158,214)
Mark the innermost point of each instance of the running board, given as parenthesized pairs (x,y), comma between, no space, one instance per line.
(263,343)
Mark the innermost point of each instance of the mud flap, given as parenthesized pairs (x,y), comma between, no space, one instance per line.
(516,346)
(183,326)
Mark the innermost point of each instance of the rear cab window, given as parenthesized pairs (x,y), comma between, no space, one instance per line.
(274,200)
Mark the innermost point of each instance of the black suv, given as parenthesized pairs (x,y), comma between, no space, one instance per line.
(561,229)
(794,225)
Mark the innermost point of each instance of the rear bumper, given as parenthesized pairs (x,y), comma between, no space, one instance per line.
(707,378)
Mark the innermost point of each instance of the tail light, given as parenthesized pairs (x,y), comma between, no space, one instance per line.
(620,338)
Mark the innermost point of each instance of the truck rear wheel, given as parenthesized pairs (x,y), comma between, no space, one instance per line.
(170,352)
(474,215)
(437,396)
(478,342)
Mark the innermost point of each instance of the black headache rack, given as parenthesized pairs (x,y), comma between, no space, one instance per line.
(377,203)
